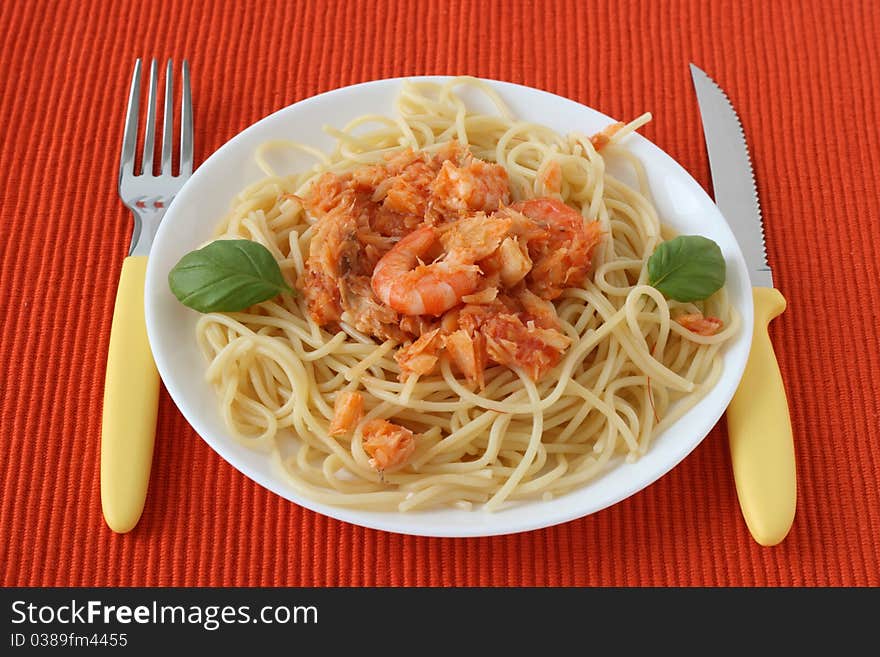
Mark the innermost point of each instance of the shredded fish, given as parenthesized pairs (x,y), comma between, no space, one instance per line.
(425,249)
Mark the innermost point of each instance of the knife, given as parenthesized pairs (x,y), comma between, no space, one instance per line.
(758,422)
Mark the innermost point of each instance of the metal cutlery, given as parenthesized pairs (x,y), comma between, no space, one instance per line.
(758,422)
(131,386)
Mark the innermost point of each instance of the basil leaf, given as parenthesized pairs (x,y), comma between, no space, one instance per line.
(226,276)
(687,268)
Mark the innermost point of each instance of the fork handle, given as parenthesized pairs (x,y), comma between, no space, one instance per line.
(131,397)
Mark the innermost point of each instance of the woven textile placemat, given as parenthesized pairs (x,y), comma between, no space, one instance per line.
(805,78)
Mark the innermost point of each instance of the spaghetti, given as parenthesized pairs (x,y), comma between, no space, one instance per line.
(629,369)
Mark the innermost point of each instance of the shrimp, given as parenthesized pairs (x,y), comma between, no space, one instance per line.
(348,409)
(559,244)
(696,323)
(388,445)
(475,185)
(401,281)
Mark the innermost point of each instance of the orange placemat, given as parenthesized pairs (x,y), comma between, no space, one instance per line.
(804,77)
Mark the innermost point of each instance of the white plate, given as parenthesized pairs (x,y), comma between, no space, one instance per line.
(205,198)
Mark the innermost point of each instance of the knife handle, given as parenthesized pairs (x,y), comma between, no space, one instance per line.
(131,397)
(759,428)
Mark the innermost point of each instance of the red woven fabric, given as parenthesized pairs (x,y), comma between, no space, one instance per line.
(804,77)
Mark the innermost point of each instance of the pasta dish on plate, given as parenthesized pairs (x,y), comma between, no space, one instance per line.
(475,310)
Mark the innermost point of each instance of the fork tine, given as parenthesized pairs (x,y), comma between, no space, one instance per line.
(168,125)
(129,136)
(150,131)
(186,126)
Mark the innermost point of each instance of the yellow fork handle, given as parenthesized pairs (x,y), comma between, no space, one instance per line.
(759,427)
(131,397)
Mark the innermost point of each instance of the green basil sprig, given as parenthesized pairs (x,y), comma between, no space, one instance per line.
(227,276)
(687,268)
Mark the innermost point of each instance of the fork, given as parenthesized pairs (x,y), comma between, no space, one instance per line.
(131,386)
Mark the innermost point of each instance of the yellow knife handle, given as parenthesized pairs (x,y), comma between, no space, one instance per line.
(131,397)
(759,427)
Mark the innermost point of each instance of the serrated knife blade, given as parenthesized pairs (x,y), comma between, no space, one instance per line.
(758,422)
(732,177)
